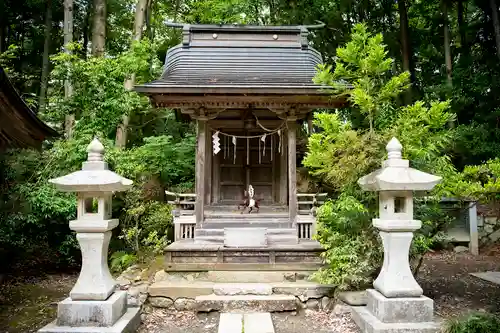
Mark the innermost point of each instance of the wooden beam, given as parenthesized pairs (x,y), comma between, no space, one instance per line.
(241,101)
(292,170)
(200,172)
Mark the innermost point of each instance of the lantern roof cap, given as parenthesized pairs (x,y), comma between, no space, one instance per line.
(396,174)
(94,176)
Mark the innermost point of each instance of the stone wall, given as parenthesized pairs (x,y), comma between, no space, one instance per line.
(488,229)
(488,223)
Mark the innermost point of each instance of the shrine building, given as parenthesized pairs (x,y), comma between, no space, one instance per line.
(249,89)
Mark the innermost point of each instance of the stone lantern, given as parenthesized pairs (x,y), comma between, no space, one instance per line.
(397,304)
(93,304)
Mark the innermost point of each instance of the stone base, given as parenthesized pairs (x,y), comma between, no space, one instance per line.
(395,315)
(368,323)
(128,323)
(92,313)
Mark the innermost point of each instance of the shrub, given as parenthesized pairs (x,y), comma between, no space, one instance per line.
(474,323)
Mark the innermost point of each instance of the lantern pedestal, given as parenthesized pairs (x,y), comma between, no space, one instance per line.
(94,305)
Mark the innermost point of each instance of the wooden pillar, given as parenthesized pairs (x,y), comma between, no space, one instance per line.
(216,178)
(208,166)
(200,171)
(292,170)
(283,156)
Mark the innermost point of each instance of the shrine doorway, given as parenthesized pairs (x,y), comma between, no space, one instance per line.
(255,161)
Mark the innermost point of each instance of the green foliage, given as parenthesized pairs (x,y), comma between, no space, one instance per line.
(121,260)
(473,323)
(352,248)
(36,215)
(99,96)
(363,63)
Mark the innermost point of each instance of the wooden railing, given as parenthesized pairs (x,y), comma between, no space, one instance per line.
(306,220)
(184,219)
(184,227)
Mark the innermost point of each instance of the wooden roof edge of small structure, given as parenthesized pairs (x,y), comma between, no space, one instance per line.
(237,65)
(20,127)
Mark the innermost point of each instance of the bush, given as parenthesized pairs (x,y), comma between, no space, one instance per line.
(352,248)
(474,323)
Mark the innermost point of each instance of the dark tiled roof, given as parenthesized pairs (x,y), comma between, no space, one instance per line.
(239,57)
(19,125)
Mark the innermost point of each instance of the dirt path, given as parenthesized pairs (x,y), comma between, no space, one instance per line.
(445,278)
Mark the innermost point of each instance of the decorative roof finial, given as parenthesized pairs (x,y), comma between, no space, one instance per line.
(95,151)
(394,149)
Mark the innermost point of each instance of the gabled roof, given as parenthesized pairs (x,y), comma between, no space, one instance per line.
(239,59)
(19,126)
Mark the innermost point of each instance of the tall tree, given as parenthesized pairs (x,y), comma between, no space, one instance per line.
(99,28)
(496,24)
(447,44)
(461,10)
(405,45)
(68,39)
(45,60)
(139,20)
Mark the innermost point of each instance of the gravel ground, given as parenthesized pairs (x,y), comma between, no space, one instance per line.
(166,321)
(314,321)
(161,321)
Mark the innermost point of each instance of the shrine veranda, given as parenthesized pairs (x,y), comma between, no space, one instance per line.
(248,89)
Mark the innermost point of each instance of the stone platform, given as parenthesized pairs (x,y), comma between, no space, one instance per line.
(188,255)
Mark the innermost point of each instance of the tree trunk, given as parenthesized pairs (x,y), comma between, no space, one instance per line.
(496,24)
(86,29)
(68,39)
(461,27)
(405,46)
(99,28)
(45,59)
(447,48)
(140,18)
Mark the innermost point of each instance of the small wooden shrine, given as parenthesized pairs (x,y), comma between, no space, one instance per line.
(19,126)
(249,89)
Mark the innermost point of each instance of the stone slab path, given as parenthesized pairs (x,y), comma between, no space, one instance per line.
(493,277)
(247,323)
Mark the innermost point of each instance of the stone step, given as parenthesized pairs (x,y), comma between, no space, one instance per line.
(220,231)
(232,289)
(191,289)
(247,224)
(245,216)
(246,303)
